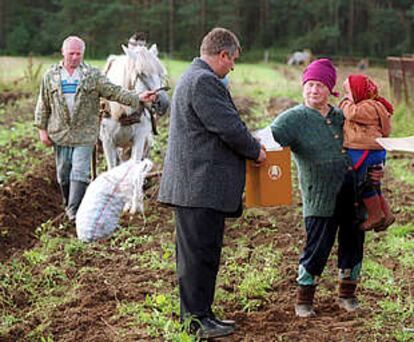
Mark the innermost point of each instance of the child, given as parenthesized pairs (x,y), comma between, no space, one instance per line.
(367,117)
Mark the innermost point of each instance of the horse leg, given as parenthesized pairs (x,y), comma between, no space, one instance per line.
(147,146)
(108,135)
(138,145)
(142,139)
(111,155)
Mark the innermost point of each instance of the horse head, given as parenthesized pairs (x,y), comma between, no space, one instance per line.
(147,73)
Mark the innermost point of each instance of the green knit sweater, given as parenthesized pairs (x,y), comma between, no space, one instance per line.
(316,143)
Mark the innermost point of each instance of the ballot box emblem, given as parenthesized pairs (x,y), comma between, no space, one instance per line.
(269,184)
(274,172)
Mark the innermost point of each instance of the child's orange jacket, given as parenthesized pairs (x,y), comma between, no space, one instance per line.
(364,122)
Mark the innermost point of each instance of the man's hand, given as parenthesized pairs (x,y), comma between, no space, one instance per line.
(44,138)
(262,157)
(148,96)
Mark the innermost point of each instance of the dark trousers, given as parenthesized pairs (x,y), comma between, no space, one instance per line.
(198,246)
(321,234)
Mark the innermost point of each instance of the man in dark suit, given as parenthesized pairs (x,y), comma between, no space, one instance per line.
(204,174)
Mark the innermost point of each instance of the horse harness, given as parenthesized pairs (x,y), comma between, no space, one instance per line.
(134,117)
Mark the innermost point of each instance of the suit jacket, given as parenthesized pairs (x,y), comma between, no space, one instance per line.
(207,145)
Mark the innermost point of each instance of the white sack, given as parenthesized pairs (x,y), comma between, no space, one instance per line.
(107,195)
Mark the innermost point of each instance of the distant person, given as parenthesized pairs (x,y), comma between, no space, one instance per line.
(67,116)
(314,132)
(367,117)
(204,175)
(137,39)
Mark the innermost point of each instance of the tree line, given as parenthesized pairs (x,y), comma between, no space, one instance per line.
(374,28)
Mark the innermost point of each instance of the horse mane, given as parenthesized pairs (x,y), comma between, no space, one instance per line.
(119,62)
(147,63)
(108,64)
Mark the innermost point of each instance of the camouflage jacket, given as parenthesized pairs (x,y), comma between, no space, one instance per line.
(82,127)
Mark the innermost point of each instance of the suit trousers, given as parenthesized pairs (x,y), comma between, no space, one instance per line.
(198,249)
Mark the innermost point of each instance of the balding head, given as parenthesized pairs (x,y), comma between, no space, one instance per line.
(73,49)
(73,40)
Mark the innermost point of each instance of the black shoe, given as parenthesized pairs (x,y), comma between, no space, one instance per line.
(225,322)
(208,327)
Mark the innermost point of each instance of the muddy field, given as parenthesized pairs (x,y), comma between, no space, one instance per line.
(90,314)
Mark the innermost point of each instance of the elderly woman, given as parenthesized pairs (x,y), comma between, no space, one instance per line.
(313,131)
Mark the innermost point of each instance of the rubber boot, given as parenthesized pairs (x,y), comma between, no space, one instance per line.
(304,301)
(346,295)
(375,215)
(77,191)
(64,190)
(389,217)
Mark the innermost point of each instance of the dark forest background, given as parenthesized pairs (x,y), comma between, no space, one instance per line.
(365,28)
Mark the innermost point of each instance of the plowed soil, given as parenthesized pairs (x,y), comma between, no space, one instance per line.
(26,204)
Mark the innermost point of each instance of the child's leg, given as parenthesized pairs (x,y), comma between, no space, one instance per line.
(371,200)
(376,158)
(366,191)
(389,217)
(371,192)
(376,216)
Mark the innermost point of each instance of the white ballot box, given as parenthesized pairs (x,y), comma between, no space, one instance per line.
(397,144)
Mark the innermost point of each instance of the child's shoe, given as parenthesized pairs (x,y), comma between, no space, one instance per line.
(389,218)
(376,217)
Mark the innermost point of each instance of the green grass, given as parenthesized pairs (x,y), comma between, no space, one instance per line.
(403,121)
(20,147)
(396,308)
(401,170)
(262,81)
(255,270)
(395,247)
(156,315)
(158,258)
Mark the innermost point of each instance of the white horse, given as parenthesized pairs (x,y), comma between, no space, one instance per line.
(300,57)
(139,69)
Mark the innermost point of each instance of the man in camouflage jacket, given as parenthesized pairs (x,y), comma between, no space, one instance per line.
(67,116)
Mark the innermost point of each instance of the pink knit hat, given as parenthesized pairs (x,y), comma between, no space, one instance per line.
(321,70)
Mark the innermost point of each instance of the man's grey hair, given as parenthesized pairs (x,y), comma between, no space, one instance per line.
(73,38)
(220,39)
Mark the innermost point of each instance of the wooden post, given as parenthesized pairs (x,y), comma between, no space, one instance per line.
(404,80)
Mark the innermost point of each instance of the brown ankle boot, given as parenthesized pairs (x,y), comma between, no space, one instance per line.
(375,214)
(389,217)
(304,301)
(346,295)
